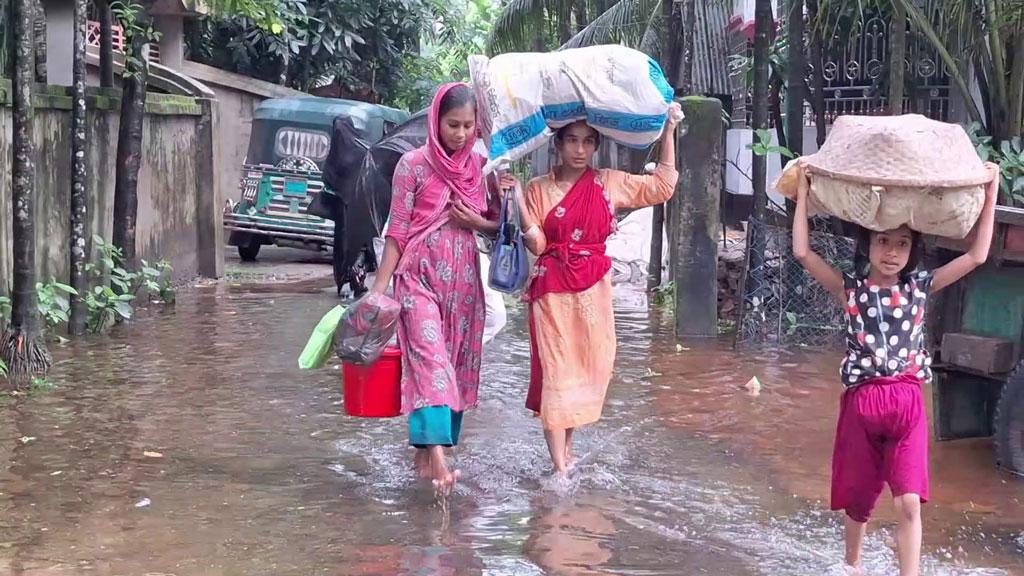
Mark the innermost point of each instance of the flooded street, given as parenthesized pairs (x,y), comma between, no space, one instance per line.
(190,444)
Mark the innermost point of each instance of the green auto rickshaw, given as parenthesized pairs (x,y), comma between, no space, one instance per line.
(284,200)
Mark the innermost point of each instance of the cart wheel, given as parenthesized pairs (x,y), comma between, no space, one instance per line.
(1009,423)
(249,249)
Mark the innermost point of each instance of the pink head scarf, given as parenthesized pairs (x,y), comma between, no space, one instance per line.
(461,172)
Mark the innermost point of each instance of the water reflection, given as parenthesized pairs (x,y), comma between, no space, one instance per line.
(570,538)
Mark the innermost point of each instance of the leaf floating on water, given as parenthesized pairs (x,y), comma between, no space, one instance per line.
(149,454)
(753,386)
(143,503)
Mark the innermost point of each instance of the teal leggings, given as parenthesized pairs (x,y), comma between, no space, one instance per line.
(434,426)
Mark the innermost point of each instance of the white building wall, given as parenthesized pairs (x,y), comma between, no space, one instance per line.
(739,161)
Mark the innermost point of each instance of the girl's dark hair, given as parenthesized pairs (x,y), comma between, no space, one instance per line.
(862,254)
(561,132)
(457,97)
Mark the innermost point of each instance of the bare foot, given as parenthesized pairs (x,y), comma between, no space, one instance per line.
(445,483)
(559,482)
(423,463)
(857,570)
(444,480)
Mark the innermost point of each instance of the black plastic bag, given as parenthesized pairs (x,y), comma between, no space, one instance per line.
(366,327)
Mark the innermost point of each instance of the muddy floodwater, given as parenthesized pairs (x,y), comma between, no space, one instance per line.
(189,444)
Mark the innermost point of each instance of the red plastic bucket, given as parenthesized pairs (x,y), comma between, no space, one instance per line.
(374,391)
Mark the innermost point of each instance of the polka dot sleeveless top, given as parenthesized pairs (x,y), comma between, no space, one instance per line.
(885,329)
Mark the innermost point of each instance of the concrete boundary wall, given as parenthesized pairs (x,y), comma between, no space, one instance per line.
(179,203)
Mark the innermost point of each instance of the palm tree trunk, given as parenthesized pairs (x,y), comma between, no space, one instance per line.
(1016,87)
(897,57)
(581,15)
(106,43)
(7,42)
(763,24)
(304,68)
(538,38)
(129,150)
(775,111)
(817,64)
(756,232)
(998,50)
(564,21)
(79,248)
(39,31)
(797,77)
(22,347)
(689,19)
(981,78)
(672,43)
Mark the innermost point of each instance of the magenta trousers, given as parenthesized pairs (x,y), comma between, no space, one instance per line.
(881,438)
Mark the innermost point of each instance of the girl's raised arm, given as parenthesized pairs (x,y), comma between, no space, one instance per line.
(822,271)
(978,253)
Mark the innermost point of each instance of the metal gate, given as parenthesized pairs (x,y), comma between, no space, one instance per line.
(855,71)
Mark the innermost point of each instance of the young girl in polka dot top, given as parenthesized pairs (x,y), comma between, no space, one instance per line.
(882,433)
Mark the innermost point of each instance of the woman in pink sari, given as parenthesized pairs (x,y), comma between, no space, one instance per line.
(439,200)
(568,216)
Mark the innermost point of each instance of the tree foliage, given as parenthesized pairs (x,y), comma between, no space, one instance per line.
(352,44)
(462,31)
(540,25)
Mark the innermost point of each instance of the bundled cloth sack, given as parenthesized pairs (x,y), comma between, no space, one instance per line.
(886,171)
(366,327)
(619,91)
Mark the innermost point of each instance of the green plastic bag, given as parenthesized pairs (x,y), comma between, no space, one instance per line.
(314,355)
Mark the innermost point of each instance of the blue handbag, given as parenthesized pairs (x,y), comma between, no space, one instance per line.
(510,267)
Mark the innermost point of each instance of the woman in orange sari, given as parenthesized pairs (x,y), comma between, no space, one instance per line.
(568,216)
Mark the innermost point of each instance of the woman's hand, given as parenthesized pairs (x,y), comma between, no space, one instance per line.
(667,155)
(507,182)
(466,217)
(675,115)
(388,263)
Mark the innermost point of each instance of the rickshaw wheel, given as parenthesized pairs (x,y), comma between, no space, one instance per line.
(1009,423)
(250,249)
